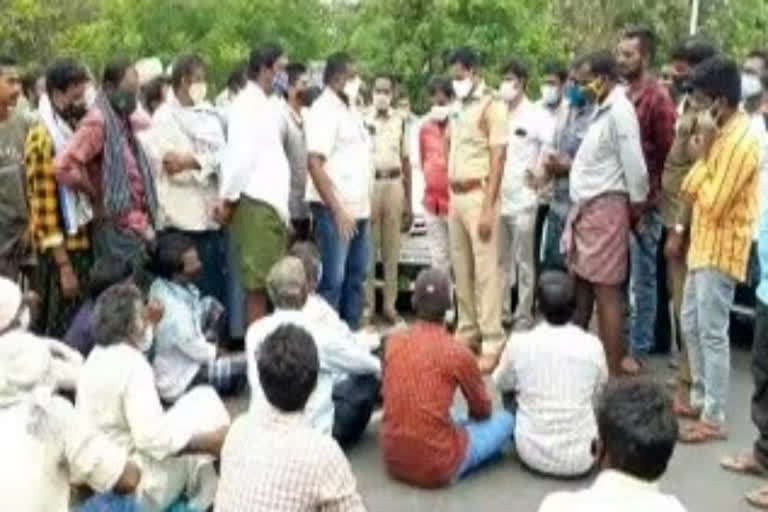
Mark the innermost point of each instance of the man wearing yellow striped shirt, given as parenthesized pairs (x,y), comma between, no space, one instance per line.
(722,188)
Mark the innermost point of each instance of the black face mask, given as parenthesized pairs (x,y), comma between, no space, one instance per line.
(303,97)
(74,113)
(682,85)
(123,102)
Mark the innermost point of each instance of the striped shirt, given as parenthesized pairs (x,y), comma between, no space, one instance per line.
(557,373)
(723,189)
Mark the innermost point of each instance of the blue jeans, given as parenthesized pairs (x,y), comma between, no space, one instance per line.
(644,247)
(705,318)
(486,439)
(345,265)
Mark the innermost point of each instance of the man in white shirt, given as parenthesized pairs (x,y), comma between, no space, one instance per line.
(256,178)
(341,167)
(556,373)
(185,144)
(638,432)
(348,384)
(530,134)
(46,447)
(608,188)
(116,394)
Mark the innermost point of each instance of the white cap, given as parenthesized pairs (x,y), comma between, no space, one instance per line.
(10,301)
(148,69)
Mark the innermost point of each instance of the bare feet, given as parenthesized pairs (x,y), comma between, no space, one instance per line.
(745,464)
(632,366)
(682,406)
(701,432)
(758,498)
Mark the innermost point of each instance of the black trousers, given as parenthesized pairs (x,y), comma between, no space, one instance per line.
(760,377)
(354,400)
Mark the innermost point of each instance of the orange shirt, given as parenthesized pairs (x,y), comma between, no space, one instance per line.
(423,368)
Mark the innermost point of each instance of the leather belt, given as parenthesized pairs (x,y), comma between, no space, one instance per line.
(467,186)
(388,175)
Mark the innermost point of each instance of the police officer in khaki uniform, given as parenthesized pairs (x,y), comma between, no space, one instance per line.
(391,203)
(475,170)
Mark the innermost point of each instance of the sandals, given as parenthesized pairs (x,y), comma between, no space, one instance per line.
(701,433)
(744,464)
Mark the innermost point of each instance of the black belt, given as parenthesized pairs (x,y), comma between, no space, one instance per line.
(388,175)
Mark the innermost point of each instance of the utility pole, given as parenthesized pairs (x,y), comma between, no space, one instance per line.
(694,16)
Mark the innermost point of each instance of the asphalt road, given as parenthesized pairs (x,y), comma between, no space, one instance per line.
(694,475)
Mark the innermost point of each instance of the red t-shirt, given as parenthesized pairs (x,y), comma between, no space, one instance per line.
(433,146)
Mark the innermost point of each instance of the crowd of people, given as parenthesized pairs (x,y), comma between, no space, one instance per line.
(160,252)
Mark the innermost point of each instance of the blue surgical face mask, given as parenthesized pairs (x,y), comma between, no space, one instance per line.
(575,95)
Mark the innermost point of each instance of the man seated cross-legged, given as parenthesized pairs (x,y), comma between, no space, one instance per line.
(554,375)
(422,443)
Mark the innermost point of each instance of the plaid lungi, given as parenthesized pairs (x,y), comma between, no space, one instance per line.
(596,239)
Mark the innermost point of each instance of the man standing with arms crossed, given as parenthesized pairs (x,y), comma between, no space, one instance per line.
(475,170)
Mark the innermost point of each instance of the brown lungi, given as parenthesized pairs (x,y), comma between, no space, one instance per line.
(596,239)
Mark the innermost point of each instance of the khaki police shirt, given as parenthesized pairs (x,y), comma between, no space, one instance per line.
(389,140)
(481,123)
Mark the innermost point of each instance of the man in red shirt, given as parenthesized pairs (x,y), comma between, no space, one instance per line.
(656,116)
(422,443)
(434,142)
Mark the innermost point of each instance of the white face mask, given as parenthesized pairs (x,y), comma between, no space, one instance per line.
(462,88)
(381,101)
(750,86)
(440,113)
(198,91)
(352,88)
(509,90)
(25,319)
(550,95)
(149,338)
(90,94)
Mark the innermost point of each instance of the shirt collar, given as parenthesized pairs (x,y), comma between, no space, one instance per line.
(253,88)
(274,416)
(336,99)
(615,93)
(736,119)
(617,481)
(479,91)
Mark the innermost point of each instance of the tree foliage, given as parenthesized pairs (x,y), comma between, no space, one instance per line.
(407,37)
